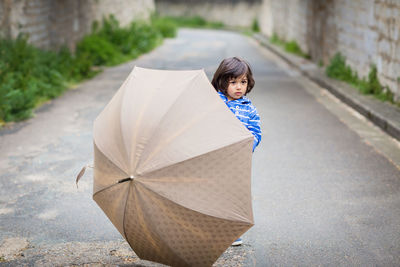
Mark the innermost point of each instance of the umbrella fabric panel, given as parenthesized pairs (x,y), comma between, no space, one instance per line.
(112,201)
(107,133)
(197,123)
(140,233)
(105,172)
(140,103)
(160,230)
(146,102)
(217,183)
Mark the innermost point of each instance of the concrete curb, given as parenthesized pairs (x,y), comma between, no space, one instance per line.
(382,114)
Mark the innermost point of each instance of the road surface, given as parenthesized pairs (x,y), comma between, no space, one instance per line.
(322,194)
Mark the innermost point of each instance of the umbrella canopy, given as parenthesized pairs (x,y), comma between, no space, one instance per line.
(172,167)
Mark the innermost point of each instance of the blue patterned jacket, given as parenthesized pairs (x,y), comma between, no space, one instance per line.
(247,114)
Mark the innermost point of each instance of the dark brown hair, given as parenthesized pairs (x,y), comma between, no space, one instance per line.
(231,68)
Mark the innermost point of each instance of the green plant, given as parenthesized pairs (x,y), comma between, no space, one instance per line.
(111,44)
(30,76)
(294,48)
(338,69)
(27,75)
(372,84)
(165,26)
(247,32)
(274,39)
(255,26)
(215,24)
(291,47)
(98,50)
(194,22)
(144,37)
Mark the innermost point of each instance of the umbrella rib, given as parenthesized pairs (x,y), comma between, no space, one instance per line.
(117,183)
(123,220)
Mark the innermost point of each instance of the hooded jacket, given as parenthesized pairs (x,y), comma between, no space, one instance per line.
(247,114)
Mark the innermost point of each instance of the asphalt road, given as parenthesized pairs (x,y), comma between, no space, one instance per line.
(322,195)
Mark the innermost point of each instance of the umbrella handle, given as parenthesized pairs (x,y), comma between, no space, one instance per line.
(81,173)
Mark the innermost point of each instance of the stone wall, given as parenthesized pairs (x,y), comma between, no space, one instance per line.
(365,31)
(230,12)
(287,18)
(52,23)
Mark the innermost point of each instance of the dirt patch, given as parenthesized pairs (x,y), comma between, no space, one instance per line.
(12,248)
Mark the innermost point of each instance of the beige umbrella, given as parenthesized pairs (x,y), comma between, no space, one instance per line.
(172,167)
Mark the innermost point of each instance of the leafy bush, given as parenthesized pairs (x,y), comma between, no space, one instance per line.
(165,26)
(294,48)
(30,76)
(338,69)
(144,37)
(113,45)
(98,50)
(27,75)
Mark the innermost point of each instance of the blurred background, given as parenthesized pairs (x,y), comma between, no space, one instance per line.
(359,40)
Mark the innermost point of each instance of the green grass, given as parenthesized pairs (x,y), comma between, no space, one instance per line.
(255,27)
(30,76)
(193,22)
(294,48)
(290,47)
(166,26)
(338,69)
(274,39)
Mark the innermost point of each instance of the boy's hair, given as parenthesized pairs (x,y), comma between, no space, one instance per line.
(231,68)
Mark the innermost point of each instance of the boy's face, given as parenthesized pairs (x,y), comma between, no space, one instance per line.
(237,87)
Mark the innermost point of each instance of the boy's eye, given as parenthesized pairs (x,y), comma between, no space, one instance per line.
(244,82)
